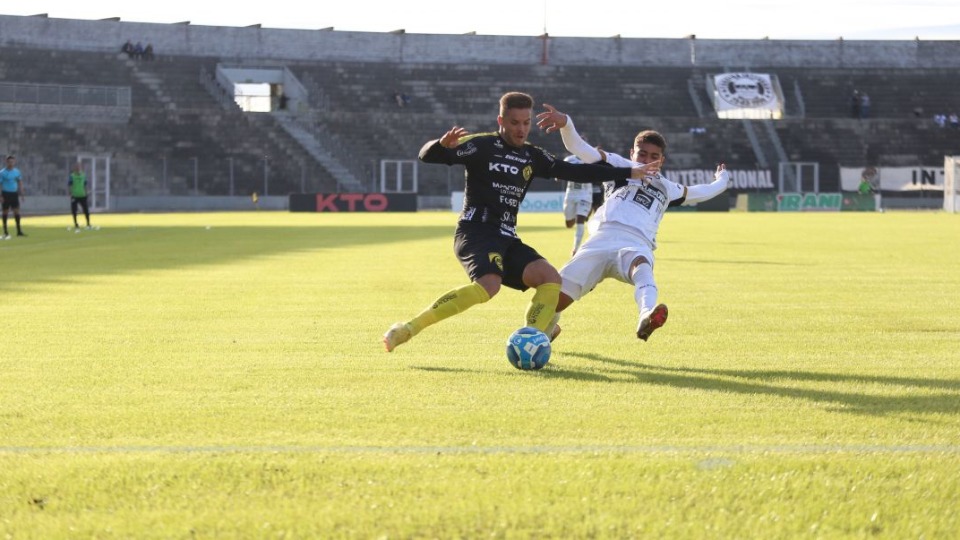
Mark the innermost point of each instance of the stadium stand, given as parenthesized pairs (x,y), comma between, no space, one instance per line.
(174,136)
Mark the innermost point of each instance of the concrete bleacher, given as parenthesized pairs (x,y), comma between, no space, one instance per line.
(177,131)
(611,104)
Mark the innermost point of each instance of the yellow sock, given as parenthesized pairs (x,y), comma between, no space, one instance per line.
(543,306)
(448,305)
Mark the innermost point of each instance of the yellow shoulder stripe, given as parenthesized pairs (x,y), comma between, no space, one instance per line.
(466,138)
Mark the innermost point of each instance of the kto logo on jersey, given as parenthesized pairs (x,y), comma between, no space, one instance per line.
(505,168)
(496,259)
(745,89)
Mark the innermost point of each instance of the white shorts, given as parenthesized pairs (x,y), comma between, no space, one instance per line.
(573,207)
(608,253)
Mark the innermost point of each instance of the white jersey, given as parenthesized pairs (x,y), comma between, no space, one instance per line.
(578,197)
(579,192)
(638,206)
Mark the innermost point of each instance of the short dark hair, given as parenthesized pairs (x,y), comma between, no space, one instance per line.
(652,137)
(515,100)
(11,157)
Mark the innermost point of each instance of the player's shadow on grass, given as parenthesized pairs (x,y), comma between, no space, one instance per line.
(60,257)
(761,382)
(736,262)
(445,369)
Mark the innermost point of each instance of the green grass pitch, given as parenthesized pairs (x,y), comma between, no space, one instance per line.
(222,375)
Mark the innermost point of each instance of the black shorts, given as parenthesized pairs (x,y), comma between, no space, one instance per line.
(11,199)
(82,201)
(482,250)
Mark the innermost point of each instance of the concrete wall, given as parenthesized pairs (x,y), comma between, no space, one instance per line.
(267,43)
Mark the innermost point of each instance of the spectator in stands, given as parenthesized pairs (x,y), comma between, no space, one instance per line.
(11,193)
(499,167)
(623,231)
(138,51)
(864,105)
(855,104)
(77,184)
(127,48)
(399,98)
(148,53)
(954,121)
(940,119)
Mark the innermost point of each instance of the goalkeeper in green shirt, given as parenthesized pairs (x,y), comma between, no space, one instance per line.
(78,194)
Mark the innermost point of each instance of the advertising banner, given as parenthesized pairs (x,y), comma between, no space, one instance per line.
(893,178)
(535,201)
(353,202)
(809,202)
(740,179)
(746,95)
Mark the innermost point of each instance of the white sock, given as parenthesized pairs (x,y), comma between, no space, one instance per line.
(646,290)
(577,237)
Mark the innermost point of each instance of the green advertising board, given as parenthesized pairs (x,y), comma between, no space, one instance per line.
(809,202)
(806,202)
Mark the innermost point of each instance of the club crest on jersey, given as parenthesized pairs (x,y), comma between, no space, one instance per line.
(496,259)
(527,173)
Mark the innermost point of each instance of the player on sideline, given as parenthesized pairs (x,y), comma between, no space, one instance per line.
(499,168)
(77,183)
(11,193)
(623,231)
(577,206)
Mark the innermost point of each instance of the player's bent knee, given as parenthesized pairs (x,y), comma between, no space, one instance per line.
(637,262)
(490,283)
(539,272)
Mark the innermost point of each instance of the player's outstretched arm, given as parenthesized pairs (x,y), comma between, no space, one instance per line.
(551,120)
(554,120)
(450,138)
(703,192)
(434,151)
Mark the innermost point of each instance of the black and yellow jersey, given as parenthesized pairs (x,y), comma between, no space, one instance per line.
(498,175)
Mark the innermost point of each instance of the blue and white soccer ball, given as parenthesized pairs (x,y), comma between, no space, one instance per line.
(528,348)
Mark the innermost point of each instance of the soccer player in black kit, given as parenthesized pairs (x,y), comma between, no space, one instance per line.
(499,168)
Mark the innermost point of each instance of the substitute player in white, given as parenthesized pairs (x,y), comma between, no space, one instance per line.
(623,231)
(577,205)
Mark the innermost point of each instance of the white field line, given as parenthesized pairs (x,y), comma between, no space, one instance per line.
(493,450)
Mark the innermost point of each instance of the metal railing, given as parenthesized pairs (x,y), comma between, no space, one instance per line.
(55,94)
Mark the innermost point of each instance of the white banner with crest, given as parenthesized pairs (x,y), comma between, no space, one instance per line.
(746,95)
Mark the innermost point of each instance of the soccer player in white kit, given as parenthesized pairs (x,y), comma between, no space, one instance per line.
(577,205)
(623,231)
